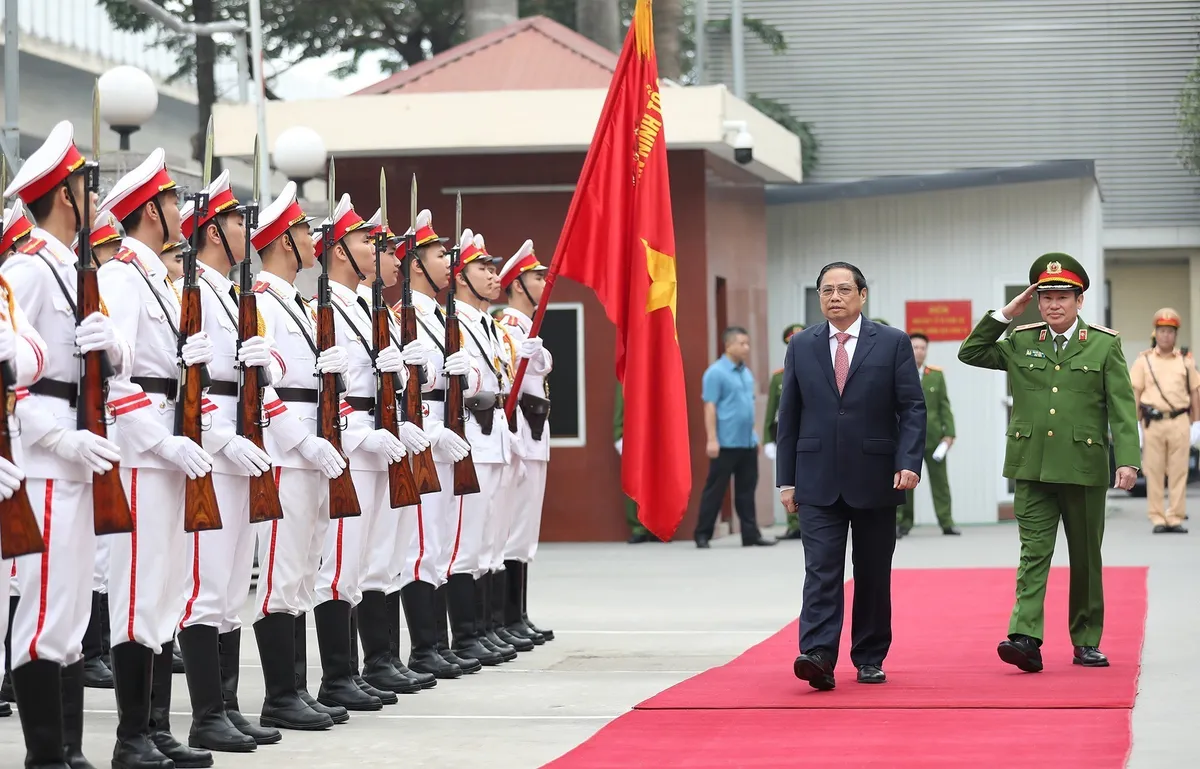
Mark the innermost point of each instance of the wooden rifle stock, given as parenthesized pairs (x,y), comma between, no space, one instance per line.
(423,468)
(465,479)
(402,486)
(343,499)
(200,511)
(19,532)
(264,494)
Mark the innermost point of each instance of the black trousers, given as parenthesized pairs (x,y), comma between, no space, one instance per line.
(742,464)
(872,534)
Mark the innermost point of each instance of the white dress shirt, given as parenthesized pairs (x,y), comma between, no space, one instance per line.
(854,331)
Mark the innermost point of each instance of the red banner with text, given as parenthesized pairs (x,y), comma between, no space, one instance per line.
(941,320)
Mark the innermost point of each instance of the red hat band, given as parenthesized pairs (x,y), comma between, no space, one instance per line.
(426,235)
(217,205)
(349,222)
(291,216)
(528,262)
(1061,276)
(160,182)
(1167,319)
(19,229)
(70,163)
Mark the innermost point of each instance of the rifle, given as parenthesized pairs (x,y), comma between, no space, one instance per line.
(402,486)
(200,512)
(264,494)
(465,479)
(110,508)
(343,499)
(423,467)
(19,531)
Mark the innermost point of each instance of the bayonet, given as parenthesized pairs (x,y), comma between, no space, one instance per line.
(96,121)
(412,205)
(256,185)
(457,218)
(208,152)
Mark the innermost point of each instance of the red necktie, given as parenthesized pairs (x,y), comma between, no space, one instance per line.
(841,362)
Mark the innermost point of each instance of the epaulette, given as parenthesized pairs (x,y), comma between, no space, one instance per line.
(344,302)
(261,287)
(1028,326)
(125,256)
(510,320)
(1105,329)
(31,246)
(933,368)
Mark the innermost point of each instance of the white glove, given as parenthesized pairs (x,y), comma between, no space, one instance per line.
(185,454)
(197,350)
(245,453)
(940,452)
(333,361)
(413,438)
(457,364)
(416,353)
(1195,432)
(8,342)
(1141,435)
(769,450)
(97,453)
(619,445)
(10,479)
(530,347)
(389,360)
(455,447)
(383,442)
(322,454)
(255,351)
(97,332)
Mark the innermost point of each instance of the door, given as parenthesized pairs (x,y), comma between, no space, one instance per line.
(1031,315)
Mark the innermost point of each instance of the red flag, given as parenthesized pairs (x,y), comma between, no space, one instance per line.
(619,240)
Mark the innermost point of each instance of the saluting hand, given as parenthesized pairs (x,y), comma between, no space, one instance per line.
(1017,306)
(905,480)
(1126,477)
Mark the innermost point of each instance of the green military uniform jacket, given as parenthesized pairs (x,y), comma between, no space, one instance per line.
(774,392)
(1063,404)
(619,414)
(937,407)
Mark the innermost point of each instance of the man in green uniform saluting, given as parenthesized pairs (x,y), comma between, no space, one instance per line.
(1069,385)
(939,430)
(771,424)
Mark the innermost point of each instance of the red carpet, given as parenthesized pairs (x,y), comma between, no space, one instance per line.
(949,702)
(846,739)
(946,624)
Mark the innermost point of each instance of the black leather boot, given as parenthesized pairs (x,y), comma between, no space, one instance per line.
(336,713)
(38,687)
(392,604)
(514,591)
(499,600)
(211,728)
(464,609)
(283,706)
(132,679)
(176,660)
(72,716)
(441,621)
(96,674)
(417,600)
(337,674)
(6,687)
(383,695)
(483,619)
(545,633)
(160,715)
(229,647)
(375,630)
(105,632)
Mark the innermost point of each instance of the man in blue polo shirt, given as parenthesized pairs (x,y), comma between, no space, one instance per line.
(732,446)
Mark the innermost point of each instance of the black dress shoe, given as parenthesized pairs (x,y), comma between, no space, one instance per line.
(702,543)
(761,542)
(638,539)
(793,534)
(1160,529)
(950,531)
(1177,529)
(816,667)
(1023,652)
(871,674)
(5,709)
(1089,657)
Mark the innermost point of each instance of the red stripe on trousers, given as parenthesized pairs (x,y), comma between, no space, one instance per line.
(187,612)
(271,554)
(420,542)
(337,569)
(44,590)
(132,549)
(457,537)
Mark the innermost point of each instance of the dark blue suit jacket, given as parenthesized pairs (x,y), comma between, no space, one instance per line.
(850,445)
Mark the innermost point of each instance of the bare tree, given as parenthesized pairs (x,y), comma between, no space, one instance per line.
(600,21)
(483,16)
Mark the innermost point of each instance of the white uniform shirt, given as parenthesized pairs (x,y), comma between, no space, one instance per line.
(480,342)
(518,325)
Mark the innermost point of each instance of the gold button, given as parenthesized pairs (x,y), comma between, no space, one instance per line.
(1056,368)
(1085,368)
(1053,389)
(1051,411)
(1089,441)
(1018,434)
(1030,365)
(1050,434)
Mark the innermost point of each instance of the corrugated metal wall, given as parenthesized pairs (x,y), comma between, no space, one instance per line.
(912,86)
(963,244)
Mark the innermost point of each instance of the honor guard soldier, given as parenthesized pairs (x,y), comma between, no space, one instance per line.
(439,514)
(17,228)
(105,240)
(1165,382)
(147,568)
(771,425)
(289,550)
(939,437)
(59,459)
(1070,386)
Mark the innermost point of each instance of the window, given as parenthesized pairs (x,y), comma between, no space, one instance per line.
(562,333)
(812,306)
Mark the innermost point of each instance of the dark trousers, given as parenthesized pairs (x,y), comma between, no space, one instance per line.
(872,534)
(742,464)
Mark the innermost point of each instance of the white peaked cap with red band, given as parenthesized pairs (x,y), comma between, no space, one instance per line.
(220,200)
(376,225)
(105,229)
(138,187)
(425,233)
(283,214)
(49,166)
(345,220)
(467,252)
(17,225)
(521,262)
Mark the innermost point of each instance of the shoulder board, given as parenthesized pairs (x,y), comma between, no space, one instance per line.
(1028,326)
(125,256)
(510,320)
(341,301)
(933,368)
(261,287)
(1104,329)
(31,246)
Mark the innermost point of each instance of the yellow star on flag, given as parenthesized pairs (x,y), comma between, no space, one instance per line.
(663,287)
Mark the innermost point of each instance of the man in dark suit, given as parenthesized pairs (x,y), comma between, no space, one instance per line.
(850,442)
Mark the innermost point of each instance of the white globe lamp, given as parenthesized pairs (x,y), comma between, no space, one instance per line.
(300,154)
(128,98)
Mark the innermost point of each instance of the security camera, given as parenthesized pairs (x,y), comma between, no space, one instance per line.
(743,141)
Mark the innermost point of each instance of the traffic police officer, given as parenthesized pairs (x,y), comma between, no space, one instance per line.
(771,424)
(1070,385)
(1164,382)
(940,429)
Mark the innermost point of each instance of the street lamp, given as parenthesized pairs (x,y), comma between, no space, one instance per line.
(300,155)
(128,98)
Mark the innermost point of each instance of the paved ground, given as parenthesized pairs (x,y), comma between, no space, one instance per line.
(633,620)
